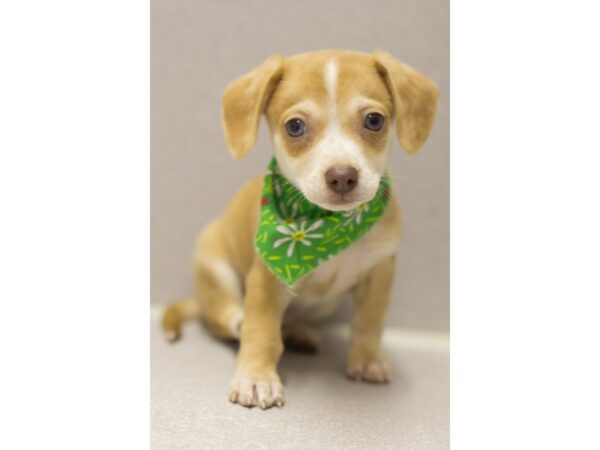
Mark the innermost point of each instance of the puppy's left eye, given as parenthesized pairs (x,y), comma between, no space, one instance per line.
(295,127)
(374,122)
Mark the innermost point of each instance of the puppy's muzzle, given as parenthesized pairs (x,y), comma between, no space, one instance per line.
(341,179)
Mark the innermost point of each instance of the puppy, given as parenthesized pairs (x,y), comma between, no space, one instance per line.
(330,114)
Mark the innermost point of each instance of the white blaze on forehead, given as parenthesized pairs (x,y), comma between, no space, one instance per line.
(335,148)
(331,75)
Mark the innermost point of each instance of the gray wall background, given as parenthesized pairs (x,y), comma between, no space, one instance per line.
(198,47)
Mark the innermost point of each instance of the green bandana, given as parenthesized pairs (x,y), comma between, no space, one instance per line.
(295,236)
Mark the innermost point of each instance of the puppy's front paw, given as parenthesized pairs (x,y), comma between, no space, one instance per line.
(256,389)
(375,370)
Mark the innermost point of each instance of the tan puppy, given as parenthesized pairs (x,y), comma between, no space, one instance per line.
(317,106)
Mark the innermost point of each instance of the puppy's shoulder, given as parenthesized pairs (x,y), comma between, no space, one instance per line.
(247,197)
(241,215)
(391,221)
(253,187)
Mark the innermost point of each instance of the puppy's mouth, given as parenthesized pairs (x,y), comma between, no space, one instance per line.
(339,202)
(327,198)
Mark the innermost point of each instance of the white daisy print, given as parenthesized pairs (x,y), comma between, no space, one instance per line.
(356,214)
(277,187)
(294,234)
(290,216)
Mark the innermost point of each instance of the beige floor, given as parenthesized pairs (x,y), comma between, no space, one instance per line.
(323,409)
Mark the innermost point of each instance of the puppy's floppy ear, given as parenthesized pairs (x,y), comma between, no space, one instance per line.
(415,100)
(244,101)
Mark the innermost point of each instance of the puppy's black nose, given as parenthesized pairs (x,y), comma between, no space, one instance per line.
(341,179)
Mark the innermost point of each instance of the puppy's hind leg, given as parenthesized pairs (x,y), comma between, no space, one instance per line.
(218,300)
(220,295)
(218,304)
(300,338)
(218,285)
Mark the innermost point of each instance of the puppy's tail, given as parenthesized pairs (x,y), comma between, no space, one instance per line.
(176,314)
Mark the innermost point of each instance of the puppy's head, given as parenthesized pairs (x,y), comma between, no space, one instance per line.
(331,114)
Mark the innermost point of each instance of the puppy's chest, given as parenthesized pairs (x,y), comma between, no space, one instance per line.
(327,284)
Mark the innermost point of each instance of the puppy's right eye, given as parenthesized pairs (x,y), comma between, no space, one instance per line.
(295,127)
(374,122)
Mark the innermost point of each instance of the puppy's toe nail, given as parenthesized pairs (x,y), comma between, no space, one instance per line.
(263,404)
